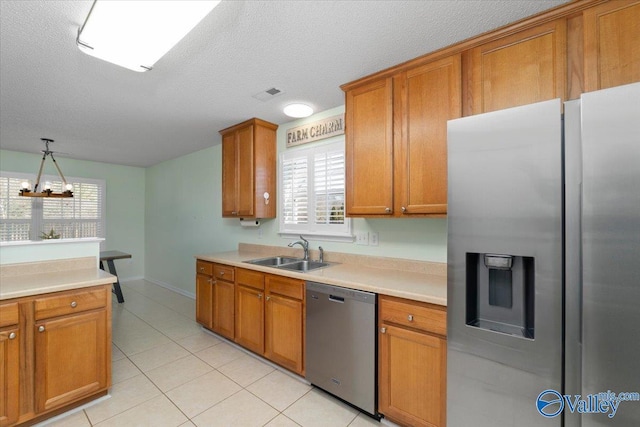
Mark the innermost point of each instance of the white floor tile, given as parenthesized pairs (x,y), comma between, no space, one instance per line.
(200,394)
(124,396)
(77,419)
(199,341)
(123,369)
(279,390)
(363,420)
(157,412)
(178,372)
(220,354)
(241,409)
(158,356)
(281,421)
(245,370)
(317,409)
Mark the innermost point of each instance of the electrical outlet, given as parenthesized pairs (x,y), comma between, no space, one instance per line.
(362,238)
(373,238)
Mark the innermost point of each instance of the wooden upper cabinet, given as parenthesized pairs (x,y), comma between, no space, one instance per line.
(369,149)
(523,68)
(611,44)
(249,170)
(425,97)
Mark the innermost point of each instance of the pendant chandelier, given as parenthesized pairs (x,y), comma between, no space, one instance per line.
(46,187)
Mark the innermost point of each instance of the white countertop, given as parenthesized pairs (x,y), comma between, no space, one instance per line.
(36,280)
(429,288)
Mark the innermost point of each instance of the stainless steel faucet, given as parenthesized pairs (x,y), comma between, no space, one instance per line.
(321,259)
(305,245)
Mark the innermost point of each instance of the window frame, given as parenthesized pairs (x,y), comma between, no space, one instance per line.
(37,218)
(328,232)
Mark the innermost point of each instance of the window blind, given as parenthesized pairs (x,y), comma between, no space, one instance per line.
(26,218)
(312,190)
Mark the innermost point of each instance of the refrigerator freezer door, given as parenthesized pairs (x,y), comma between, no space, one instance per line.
(611,249)
(505,199)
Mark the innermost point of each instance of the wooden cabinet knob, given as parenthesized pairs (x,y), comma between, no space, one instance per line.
(12,336)
(404,209)
(259,296)
(387,210)
(74,304)
(410,318)
(40,328)
(383,330)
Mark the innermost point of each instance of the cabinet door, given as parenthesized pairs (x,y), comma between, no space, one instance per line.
(71,355)
(245,171)
(369,149)
(9,375)
(412,388)
(612,44)
(229,175)
(426,97)
(250,318)
(526,67)
(224,308)
(204,300)
(284,333)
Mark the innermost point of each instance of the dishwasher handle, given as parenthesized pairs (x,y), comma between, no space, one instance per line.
(337,299)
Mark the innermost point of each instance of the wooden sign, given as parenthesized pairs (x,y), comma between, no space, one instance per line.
(326,128)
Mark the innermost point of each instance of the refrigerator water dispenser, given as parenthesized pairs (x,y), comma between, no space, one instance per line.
(500,293)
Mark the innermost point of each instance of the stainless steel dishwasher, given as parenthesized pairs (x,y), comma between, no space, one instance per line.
(341,343)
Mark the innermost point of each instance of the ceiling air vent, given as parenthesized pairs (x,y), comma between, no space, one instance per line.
(268,94)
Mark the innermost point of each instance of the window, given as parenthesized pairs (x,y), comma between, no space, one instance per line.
(26,218)
(312,191)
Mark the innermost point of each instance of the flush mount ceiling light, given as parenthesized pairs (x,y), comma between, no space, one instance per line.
(46,188)
(136,34)
(298,110)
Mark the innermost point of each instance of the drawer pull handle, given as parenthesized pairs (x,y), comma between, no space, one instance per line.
(12,336)
(40,328)
(410,318)
(222,273)
(383,330)
(74,304)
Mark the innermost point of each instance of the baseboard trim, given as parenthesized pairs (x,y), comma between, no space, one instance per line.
(131,279)
(171,287)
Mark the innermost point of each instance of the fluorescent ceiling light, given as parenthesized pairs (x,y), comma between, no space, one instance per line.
(136,34)
(298,110)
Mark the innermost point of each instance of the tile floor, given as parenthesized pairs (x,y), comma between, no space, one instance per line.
(168,372)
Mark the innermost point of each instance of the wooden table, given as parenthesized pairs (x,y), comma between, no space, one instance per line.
(109,256)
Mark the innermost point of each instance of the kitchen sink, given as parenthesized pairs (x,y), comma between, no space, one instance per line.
(274,261)
(304,265)
(289,263)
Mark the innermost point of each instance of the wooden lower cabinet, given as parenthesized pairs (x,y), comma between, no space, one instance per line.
(10,339)
(284,322)
(412,363)
(204,300)
(224,308)
(249,325)
(55,354)
(71,355)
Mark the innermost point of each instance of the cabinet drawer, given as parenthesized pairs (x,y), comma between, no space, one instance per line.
(8,314)
(204,267)
(70,302)
(223,272)
(285,286)
(251,278)
(414,314)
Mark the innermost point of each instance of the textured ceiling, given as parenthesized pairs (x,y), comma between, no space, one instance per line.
(101,112)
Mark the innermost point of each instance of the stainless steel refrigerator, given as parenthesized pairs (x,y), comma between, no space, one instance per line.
(544,264)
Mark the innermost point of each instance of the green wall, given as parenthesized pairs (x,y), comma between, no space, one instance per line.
(183,219)
(125,201)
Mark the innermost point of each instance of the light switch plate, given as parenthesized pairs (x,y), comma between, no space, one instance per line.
(362,238)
